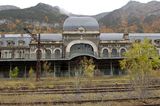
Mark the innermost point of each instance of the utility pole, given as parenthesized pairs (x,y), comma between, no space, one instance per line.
(38,65)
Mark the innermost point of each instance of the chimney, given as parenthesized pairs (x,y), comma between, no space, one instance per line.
(21,34)
(126,35)
(2,34)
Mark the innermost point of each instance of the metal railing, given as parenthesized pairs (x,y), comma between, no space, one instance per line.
(67,55)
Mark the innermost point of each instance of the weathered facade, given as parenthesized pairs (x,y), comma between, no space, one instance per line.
(80,37)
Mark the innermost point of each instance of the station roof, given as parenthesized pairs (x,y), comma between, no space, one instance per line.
(27,38)
(58,37)
(73,23)
(132,36)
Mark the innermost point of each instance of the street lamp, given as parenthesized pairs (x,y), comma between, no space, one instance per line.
(38,65)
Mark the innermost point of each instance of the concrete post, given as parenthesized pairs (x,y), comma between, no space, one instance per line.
(54,69)
(111,67)
(69,68)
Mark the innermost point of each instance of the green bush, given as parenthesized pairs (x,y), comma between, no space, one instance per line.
(31,72)
(14,73)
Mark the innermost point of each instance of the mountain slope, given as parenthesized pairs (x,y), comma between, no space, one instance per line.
(36,13)
(101,15)
(8,7)
(132,14)
(41,15)
(135,16)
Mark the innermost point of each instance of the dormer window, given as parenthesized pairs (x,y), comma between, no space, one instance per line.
(157,41)
(1,43)
(10,43)
(21,43)
(138,40)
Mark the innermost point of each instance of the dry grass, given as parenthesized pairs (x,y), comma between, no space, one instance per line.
(28,98)
(51,82)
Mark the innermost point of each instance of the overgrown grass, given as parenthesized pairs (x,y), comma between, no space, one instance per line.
(30,98)
(65,81)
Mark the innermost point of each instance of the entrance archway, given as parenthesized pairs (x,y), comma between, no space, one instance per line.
(77,69)
(83,46)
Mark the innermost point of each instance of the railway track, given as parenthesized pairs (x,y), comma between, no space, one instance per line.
(80,102)
(75,90)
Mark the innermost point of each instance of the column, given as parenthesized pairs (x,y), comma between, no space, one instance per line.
(69,68)
(10,69)
(54,69)
(111,67)
(25,72)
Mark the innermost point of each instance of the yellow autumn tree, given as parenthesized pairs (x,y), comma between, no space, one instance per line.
(88,66)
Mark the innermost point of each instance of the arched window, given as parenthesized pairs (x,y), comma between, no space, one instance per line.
(122,51)
(48,54)
(20,54)
(105,53)
(5,54)
(114,53)
(57,53)
(40,56)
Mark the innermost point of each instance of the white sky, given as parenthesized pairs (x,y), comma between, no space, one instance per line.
(86,7)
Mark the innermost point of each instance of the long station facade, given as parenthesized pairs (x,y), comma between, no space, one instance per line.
(80,37)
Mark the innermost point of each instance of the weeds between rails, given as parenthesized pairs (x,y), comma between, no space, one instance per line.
(75,90)
(69,88)
(82,102)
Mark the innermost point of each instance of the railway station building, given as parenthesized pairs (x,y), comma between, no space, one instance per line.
(80,37)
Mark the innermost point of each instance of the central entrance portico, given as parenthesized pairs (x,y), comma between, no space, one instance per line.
(77,47)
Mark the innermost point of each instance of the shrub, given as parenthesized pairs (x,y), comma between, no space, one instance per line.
(14,73)
(31,72)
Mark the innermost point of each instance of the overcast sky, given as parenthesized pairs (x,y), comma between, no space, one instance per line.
(86,7)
